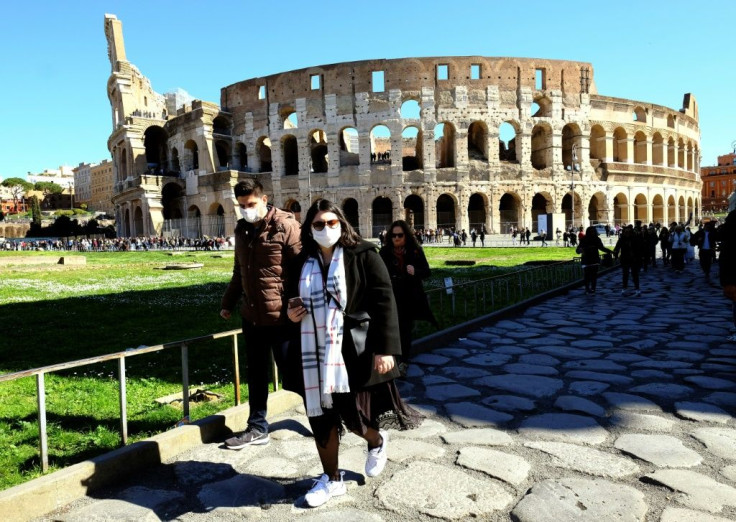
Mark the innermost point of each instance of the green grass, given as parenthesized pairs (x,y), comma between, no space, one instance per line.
(53,313)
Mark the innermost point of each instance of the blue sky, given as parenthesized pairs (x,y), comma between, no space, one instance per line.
(55,67)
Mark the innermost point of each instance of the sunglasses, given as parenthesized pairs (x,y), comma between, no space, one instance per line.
(320,225)
(398,235)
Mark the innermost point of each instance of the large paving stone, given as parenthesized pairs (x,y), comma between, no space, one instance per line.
(729,472)
(401,450)
(451,493)
(110,510)
(572,403)
(530,369)
(429,428)
(651,375)
(697,491)
(703,412)
(447,392)
(710,383)
(640,421)
(603,365)
(664,390)
(503,466)
(629,402)
(240,491)
(587,387)
(563,427)
(719,441)
(462,372)
(456,353)
(274,467)
(429,359)
(722,399)
(471,415)
(662,365)
(577,499)
(488,359)
(597,376)
(586,460)
(673,514)
(538,358)
(478,437)
(433,379)
(565,352)
(509,403)
(331,515)
(530,385)
(592,344)
(661,450)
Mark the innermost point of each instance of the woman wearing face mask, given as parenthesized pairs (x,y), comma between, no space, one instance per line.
(340,274)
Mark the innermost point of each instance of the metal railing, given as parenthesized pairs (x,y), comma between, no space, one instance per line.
(120,357)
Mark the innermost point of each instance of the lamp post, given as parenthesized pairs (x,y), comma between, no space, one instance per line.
(573,167)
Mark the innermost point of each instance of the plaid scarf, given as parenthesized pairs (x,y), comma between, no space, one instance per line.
(321,332)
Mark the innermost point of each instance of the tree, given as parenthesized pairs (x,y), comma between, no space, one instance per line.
(18,187)
(48,187)
(36,210)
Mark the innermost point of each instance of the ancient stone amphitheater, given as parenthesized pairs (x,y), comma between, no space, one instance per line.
(464,142)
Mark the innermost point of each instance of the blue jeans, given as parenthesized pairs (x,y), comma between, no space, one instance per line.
(260,342)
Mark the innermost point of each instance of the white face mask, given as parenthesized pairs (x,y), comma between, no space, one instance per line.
(327,237)
(250,214)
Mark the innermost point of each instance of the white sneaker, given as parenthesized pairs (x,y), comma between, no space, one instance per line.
(324,489)
(377,457)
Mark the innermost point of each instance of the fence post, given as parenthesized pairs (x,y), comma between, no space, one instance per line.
(123,402)
(236,365)
(43,436)
(185,381)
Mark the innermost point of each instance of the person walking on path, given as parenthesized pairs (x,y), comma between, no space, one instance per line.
(727,260)
(590,259)
(679,240)
(664,243)
(407,266)
(543,236)
(266,239)
(629,248)
(345,381)
(482,237)
(705,240)
(527,235)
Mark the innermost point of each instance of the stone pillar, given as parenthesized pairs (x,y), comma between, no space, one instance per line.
(649,152)
(629,150)
(610,143)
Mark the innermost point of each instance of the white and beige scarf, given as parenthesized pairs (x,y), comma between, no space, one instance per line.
(322,331)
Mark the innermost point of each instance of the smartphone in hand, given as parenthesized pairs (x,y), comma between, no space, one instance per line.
(295,302)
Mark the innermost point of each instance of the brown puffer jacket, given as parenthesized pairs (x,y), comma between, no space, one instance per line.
(259,274)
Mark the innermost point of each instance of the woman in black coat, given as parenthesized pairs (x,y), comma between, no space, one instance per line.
(726,234)
(590,260)
(629,248)
(346,379)
(407,266)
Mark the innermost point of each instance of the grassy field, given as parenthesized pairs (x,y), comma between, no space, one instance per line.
(55,313)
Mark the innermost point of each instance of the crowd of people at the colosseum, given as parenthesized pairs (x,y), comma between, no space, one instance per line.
(119,244)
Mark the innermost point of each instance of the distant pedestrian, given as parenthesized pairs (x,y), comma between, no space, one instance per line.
(473,236)
(705,240)
(590,259)
(528,235)
(482,237)
(628,248)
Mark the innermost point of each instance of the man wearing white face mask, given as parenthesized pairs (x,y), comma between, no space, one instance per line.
(266,240)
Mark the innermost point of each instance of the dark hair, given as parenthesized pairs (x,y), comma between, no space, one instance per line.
(349,237)
(411,240)
(591,231)
(247,187)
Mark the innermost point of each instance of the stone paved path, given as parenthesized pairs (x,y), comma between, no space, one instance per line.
(580,408)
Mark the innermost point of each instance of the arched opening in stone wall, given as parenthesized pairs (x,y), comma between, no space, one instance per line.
(410,110)
(380,145)
(444,140)
(126,224)
(221,125)
(446,211)
(568,208)
(541,107)
(243,156)
(689,156)
(509,208)
(597,211)
(541,204)
(671,153)
(352,213)
(658,153)
(477,211)
(597,143)
(154,140)
(349,147)
(658,209)
(193,225)
(478,141)
(639,115)
(290,118)
(680,153)
(671,121)
(123,174)
(318,151)
(263,150)
(507,142)
(172,197)
(620,145)
(411,153)
(571,135)
(222,149)
(621,209)
(138,222)
(671,209)
(682,211)
(414,211)
(690,208)
(640,208)
(215,224)
(293,206)
(541,146)
(290,150)
(191,159)
(175,167)
(382,214)
(640,148)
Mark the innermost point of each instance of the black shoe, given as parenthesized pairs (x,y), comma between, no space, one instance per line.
(250,437)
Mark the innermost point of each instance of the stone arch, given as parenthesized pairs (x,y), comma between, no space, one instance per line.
(138,229)
(680,153)
(621,208)
(478,141)
(597,212)
(193,225)
(414,211)
(689,156)
(123,174)
(154,141)
(690,205)
(671,121)
(191,162)
(444,139)
(477,205)
(620,145)
(640,147)
(597,143)
(658,209)
(172,199)
(411,149)
(410,109)
(658,150)
(318,151)
(640,208)
(290,151)
(573,210)
(571,136)
(541,205)
(639,115)
(671,161)
(352,212)
(682,211)
(671,209)
(541,146)
(289,118)
(243,155)
(508,131)
(510,210)
(175,166)
(222,150)
(382,210)
(446,211)
(541,107)
(263,150)
(349,147)
(380,144)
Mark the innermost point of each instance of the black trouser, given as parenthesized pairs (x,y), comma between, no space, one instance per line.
(678,258)
(260,342)
(634,268)
(406,325)
(665,254)
(706,260)
(590,277)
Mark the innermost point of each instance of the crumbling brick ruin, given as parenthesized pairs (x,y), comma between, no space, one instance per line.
(444,142)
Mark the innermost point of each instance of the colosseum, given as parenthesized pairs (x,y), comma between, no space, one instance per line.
(444,142)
